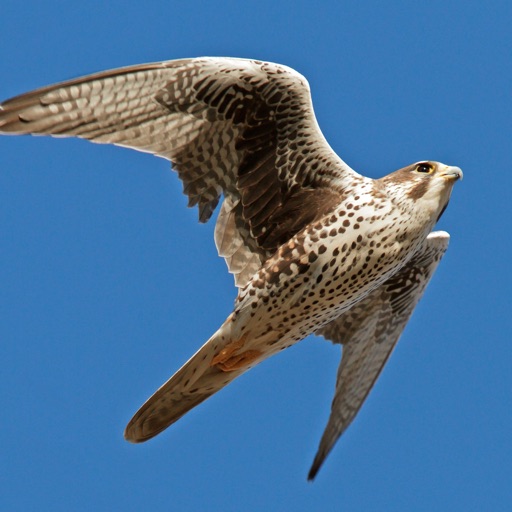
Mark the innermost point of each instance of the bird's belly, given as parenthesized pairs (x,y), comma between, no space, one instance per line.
(291,299)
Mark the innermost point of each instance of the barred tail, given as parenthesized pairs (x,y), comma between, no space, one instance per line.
(193,383)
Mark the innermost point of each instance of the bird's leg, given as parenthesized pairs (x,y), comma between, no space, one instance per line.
(228,360)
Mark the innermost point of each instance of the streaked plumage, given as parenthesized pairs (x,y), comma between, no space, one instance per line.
(313,246)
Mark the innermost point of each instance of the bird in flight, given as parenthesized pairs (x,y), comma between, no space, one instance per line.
(314,247)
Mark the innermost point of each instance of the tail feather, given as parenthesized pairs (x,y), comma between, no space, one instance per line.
(193,383)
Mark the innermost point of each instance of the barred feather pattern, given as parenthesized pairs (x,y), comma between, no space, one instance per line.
(239,128)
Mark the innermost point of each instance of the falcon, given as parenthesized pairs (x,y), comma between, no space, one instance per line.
(314,247)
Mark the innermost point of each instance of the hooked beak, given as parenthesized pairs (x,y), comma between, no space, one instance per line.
(452,173)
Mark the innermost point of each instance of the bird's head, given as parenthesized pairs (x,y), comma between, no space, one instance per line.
(428,185)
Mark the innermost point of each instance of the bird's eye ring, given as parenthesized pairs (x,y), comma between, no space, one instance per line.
(424,168)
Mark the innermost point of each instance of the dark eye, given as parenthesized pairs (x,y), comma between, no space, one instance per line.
(426,168)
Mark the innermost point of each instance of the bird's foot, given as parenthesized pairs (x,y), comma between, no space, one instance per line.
(229,360)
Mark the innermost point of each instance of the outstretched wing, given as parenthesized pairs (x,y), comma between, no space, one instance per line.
(369,332)
(239,128)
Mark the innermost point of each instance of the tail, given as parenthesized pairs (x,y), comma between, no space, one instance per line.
(198,379)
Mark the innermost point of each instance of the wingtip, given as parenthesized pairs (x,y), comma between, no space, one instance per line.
(312,474)
(315,468)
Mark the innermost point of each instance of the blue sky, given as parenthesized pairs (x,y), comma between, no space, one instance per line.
(108,284)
